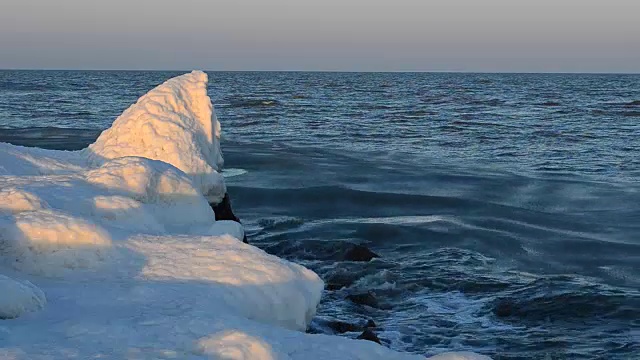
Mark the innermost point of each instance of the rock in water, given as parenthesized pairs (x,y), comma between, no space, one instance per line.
(360,253)
(369,335)
(223,211)
(370,324)
(364,299)
(503,309)
(343,327)
(334,286)
(340,280)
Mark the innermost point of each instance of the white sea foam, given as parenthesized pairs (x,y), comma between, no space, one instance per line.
(227,173)
(121,240)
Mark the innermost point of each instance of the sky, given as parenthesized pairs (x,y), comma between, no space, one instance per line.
(327,35)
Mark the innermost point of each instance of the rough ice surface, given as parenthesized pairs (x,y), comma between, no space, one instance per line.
(18,297)
(121,240)
(174,123)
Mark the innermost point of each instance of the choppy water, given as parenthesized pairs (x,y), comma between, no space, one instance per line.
(506,207)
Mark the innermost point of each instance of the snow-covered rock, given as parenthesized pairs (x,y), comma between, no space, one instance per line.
(121,239)
(19,297)
(174,123)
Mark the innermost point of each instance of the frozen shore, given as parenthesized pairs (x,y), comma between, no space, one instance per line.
(113,251)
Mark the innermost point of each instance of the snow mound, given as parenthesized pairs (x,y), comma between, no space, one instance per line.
(121,238)
(146,181)
(248,281)
(174,123)
(53,224)
(235,345)
(15,200)
(46,242)
(24,161)
(19,297)
(259,343)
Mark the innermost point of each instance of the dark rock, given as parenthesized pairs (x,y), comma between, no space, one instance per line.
(551,103)
(359,253)
(633,103)
(343,327)
(503,309)
(334,286)
(369,335)
(314,329)
(339,280)
(367,299)
(370,324)
(223,211)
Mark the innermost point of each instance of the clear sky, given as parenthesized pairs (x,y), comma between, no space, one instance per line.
(360,35)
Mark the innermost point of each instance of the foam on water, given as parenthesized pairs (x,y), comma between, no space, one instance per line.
(231,172)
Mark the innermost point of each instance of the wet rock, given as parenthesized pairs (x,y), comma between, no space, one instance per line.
(359,253)
(339,281)
(367,299)
(314,329)
(369,335)
(370,324)
(342,327)
(334,286)
(503,309)
(223,211)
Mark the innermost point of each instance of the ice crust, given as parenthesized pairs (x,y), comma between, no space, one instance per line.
(174,123)
(19,297)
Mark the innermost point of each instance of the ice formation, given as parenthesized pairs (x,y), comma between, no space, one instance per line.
(18,297)
(122,241)
(174,123)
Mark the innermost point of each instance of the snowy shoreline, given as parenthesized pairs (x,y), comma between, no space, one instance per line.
(114,251)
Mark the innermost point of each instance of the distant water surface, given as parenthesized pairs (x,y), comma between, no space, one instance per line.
(505,207)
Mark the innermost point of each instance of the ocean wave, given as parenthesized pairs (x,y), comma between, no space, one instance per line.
(7,85)
(231,172)
(328,196)
(550,103)
(55,138)
(251,103)
(565,298)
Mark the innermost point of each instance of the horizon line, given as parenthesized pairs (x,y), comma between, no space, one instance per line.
(344,71)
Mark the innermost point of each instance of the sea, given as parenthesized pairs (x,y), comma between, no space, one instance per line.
(505,208)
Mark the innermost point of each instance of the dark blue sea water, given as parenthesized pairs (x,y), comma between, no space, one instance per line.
(505,207)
